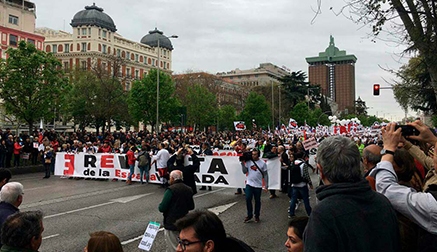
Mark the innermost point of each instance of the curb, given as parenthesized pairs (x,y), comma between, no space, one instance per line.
(26,169)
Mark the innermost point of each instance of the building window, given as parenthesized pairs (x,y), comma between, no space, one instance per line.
(66,65)
(31,41)
(128,72)
(83,47)
(83,31)
(13,40)
(136,74)
(67,48)
(127,55)
(145,60)
(83,64)
(136,57)
(13,19)
(104,34)
(153,62)
(54,48)
(118,52)
(104,49)
(104,66)
(100,31)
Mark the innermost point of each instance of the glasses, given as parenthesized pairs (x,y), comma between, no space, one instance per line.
(185,243)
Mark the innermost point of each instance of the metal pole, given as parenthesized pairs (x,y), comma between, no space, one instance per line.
(273,108)
(279,115)
(157,91)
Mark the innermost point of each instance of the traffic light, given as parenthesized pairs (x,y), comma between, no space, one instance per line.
(376,88)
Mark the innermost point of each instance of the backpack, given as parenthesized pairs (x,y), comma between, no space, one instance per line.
(143,159)
(295,172)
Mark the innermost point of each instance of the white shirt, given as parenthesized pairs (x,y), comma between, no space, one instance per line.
(254,176)
(161,158)
(419,207)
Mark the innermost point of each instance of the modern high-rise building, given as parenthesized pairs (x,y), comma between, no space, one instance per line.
(334,71)
(95,42)
(17,23)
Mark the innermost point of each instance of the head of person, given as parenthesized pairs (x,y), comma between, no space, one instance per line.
(371,156)
(296,226)
(403,164)
(23,230)
(338,160)
(176,175)
(200,230)
(255,154)
(5,176)
(103,241)
(12,193)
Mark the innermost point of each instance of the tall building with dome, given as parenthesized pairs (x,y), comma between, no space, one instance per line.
(17,23)
(95,42)
(334,71)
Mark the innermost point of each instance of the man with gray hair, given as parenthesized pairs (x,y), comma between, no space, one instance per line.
(22,232)
(177,201)
(371,157)
(11,196)
(350,216)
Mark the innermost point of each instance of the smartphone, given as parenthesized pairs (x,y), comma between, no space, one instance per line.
(408,130)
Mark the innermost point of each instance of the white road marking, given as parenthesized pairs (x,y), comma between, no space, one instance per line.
(36,188)
(78,210)
(130,198)
(220,209)
(119,200)
(50,236)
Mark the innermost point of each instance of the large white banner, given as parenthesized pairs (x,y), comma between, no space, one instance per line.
(221,170)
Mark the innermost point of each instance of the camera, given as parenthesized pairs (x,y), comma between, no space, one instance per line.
(246,156)
(408,130)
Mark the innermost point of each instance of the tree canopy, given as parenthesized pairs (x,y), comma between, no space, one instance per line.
(32,83)
(257,108)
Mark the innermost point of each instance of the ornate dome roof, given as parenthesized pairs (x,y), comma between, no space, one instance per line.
(151,39)
(93,15)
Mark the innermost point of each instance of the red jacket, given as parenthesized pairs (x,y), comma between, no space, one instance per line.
(17,148)
(130,157)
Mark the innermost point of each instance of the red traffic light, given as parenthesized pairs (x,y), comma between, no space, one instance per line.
(376,88)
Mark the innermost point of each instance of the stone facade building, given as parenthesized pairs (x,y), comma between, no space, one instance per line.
(334,71)
(95,42)
(264,75)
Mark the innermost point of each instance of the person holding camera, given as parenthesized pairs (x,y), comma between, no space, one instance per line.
(256,171)
(420,207)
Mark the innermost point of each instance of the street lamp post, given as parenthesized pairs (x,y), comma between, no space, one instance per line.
(157,81)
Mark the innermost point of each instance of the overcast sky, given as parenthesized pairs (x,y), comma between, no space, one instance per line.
(221,35)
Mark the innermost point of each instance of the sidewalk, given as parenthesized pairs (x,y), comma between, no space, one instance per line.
(26,169)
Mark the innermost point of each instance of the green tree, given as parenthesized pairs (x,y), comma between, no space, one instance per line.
(317,117)
(297,89)
(30,83)
(201,106)
(227,116)
(80,101)
(142,98)
(257,108)
(410,21)
(300,113)
(414,90)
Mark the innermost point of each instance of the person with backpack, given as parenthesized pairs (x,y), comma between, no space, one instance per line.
(144,164)
(299,182)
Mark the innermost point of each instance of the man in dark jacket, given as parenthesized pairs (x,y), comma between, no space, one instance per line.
(177,201)
(11,198)
(350,216)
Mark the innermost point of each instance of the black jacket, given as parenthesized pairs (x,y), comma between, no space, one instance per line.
(181,203)
(351,217)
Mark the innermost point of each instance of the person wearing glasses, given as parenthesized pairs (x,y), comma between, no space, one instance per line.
(202,230)
(177,201)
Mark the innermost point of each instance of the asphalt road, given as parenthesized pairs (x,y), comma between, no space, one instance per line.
(75,208)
